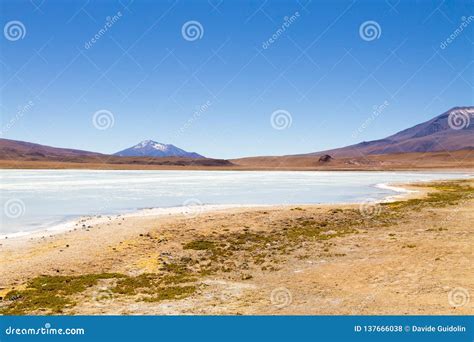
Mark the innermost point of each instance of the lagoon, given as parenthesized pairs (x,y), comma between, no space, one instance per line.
(37,199)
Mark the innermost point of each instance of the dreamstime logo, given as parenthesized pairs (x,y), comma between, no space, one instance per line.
(22,110)
(370,208)
(196,115)
(103,119)
(273,216)
(104,205)
(47,329)
(287,22)
(459,119)
(192,30)
(377,110)
(370,30)
(281,297)
(109,22)
(192,207)
(281,119)
(14,30)
(465,21)
(102,297)
(14,208)
(454,213)
(458,297)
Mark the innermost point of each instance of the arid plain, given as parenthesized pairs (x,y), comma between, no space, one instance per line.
(409,256)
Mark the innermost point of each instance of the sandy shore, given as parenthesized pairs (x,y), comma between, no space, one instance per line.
(317,259)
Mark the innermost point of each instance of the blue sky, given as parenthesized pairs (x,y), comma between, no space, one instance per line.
(329,82)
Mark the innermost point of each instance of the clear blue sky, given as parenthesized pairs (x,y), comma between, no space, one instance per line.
(319,69)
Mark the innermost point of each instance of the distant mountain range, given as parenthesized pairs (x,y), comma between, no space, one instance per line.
(150,148)
(13,149)
(15,153)
(450,131)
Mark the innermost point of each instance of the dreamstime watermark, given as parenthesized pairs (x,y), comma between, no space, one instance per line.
(192,30)
(21,111)
(460,118)
(14,30)
(46,330)
(102,297)
(281,297)
(370,208)
(287,22)
(281,119)
(370,30)
(104,206)
(453,214)
(459,297)
(14,208)
(109,22)
(465,21)
(376,111)
(200,110)
(273,216)
(103,119)
(192,207)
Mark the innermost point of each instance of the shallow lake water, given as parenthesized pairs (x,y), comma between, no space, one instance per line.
(36,199)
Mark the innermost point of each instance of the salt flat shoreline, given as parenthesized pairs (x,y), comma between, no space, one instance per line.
(90,220)
(371,271)
(401,190)
(43,207)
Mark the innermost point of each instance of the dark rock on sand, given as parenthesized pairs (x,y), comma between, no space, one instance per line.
(325,158)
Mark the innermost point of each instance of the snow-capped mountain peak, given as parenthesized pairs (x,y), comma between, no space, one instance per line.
(151,144)
(151,148)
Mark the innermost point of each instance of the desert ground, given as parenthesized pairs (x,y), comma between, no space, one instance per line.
(409,256)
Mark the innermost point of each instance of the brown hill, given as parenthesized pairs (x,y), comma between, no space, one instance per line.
(28,155)
(446,141)
(450,131)
(21,150)
(463,159)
